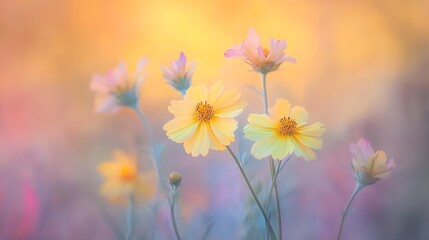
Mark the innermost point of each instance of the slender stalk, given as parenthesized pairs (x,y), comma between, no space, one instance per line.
(152,140)
(272,168)
(173,218)
(346,209)
(267,221)
(130,217)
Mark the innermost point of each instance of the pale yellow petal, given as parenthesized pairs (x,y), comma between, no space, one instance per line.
(280,109)
(265,147)
(181,129)
(223,129)
(282,148)
(228,98)
(299,114)
(261,120)
(215,143)
(214,93)
(316,130)
(303,151)
(199,143)
(256,133)
(196,94)
(108,169)
(232,110)
(182,108)
(309,141)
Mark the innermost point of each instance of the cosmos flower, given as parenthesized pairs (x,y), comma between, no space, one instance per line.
(179,75)
(122,179)
(204,119)
(368,166)
(116,88)
(284,131)
(261,59)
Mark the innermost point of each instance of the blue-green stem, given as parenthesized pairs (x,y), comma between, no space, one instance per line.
(173,217)
(272,168)
(130,217)
(344,213)
(152,140)
(264,214)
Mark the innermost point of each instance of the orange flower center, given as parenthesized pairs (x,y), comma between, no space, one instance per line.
(127,174)
(204,112)
(265,51)
(287,126)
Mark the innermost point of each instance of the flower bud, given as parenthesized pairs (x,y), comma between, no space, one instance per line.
(175,178)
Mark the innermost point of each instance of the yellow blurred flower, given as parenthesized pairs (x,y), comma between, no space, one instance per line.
(123,179)
(367,165)
(284,131)
(204,119)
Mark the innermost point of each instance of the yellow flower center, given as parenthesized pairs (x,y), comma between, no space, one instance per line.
(265,51)
(287,126)
(127,174)
(204,112)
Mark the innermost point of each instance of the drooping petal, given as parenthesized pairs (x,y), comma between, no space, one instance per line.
(303,151)
(309,141)
(223,129)
(181,129)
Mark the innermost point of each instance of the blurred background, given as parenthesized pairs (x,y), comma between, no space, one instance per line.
(362,69)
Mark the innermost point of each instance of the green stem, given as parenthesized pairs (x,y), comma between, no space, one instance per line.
(130,217)
(267,221)
(346,209)
(272,171)
(173,218)
(152,140)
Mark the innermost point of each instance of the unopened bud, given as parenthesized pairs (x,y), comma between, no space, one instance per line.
(175,178)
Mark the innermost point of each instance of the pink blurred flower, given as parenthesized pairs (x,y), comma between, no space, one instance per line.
(179,75)
(261,59)
(368,166)
(116,88)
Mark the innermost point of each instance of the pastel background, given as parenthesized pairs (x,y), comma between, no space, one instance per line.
(362,69)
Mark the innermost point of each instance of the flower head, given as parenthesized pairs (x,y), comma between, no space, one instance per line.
(123,179)
(368,166)
(204,119)
(284,131)
(179,75)
(261,59)
(175,178)
(116,88)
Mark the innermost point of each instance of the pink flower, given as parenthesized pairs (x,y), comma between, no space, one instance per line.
(116,88)
(261,59)
(179,75)
(368,166)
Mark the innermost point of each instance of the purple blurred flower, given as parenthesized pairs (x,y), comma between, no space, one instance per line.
(368,166)
(116,88)
(179,75)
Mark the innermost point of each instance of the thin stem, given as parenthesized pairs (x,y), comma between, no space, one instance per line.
(346,209)
(267,221)
(276,193)
(264,92)
(152,140)
(278,170)
(130,217)
(173,218)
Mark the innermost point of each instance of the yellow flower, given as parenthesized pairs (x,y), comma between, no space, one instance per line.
(283,132)
(123,179)
(367,165)
(204,119)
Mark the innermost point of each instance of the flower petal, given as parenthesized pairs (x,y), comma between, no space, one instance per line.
(280,109)
(181,129)
(299,114)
